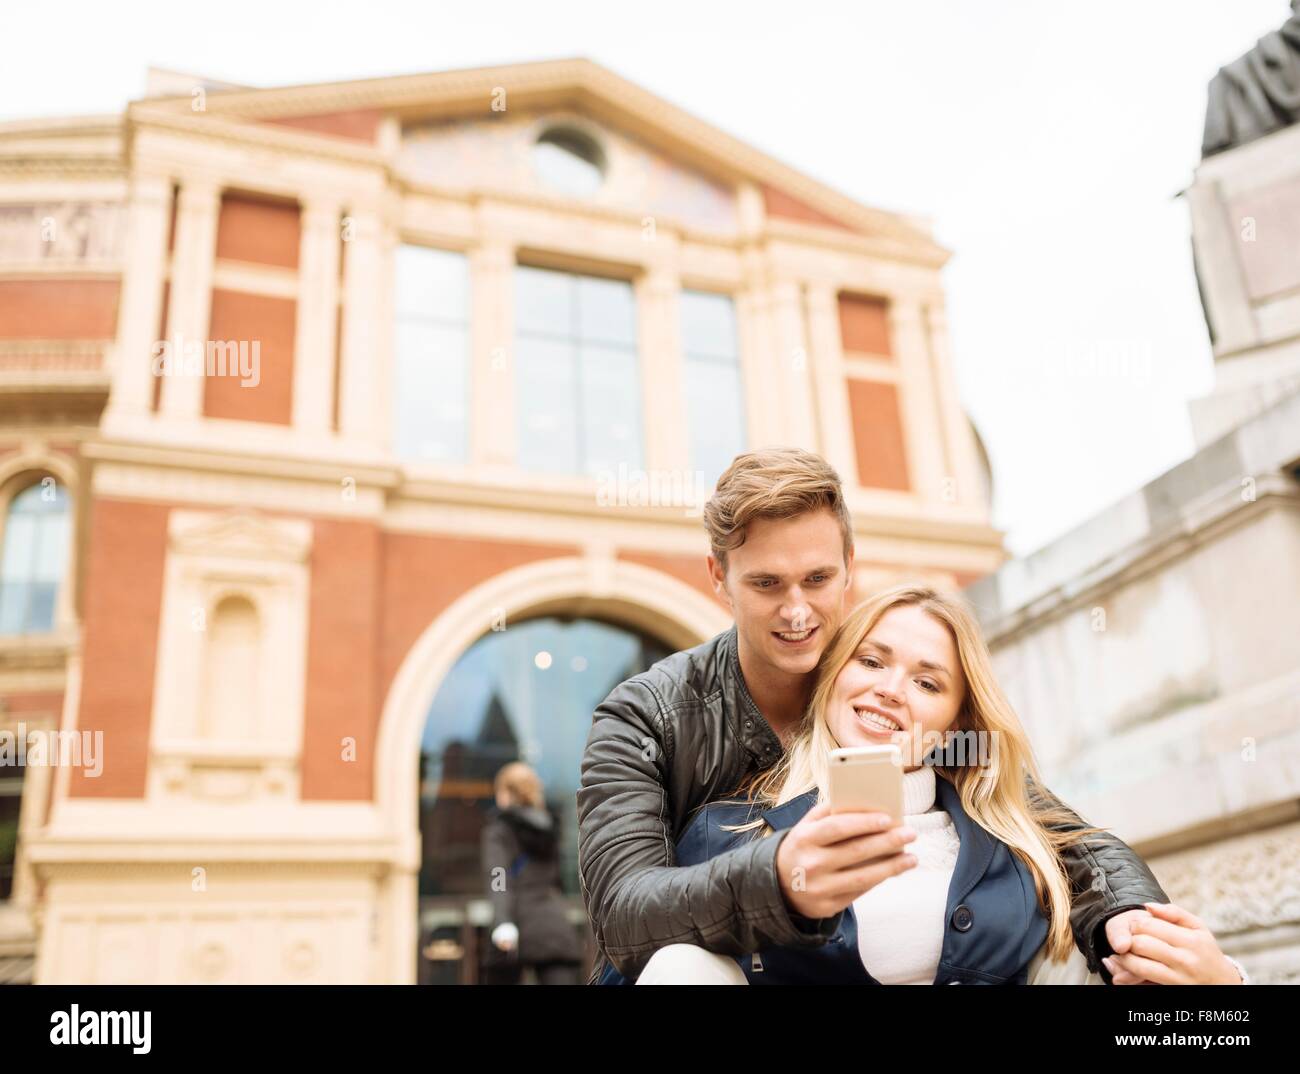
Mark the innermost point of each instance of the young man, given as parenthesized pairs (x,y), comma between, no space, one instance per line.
(692,727)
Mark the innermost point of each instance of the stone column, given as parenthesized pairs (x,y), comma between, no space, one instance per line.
(190,304)
(919,409)
(318,298)
(492,427)
(758,374)
(826,358)
(962,454)
(663,382)
(793,383)
(143,271)
(363,280)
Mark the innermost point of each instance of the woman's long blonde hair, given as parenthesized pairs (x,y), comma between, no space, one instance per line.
(1005,797)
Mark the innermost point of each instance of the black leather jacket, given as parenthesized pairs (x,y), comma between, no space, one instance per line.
(686,732)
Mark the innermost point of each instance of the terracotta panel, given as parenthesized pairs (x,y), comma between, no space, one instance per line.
(45,703)
(270,323)
(864,324)
(878,435)
(58,309)
(263,232)
(780,204)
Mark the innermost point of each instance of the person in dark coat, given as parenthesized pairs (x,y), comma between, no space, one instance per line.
(520,857)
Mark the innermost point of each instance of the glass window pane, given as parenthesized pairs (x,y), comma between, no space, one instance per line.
(13,607)
(40,607)
(611,403)
(708,324)
(715,412)
(568,162)
(579,394)
(51,548)
(543,301)
(606,310)
(20,546)
(432,283)
(46,497)
(431,398)
(547,396)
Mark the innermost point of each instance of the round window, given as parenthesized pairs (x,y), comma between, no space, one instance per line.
(569,160)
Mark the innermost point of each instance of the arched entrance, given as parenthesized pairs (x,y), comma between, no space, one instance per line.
(636,600)
(522,694)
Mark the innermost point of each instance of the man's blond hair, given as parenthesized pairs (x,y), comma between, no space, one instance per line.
(772,483)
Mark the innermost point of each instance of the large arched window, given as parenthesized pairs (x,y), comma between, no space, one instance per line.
(34,559)
(524,693)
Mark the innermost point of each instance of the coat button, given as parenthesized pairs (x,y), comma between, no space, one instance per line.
(962,918)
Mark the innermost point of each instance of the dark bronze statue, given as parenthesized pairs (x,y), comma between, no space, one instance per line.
(1258,93)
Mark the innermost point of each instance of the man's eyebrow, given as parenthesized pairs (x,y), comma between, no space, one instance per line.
(928,664)
(752,575)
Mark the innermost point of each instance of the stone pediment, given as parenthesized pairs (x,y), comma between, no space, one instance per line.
(703,156)
(239,533)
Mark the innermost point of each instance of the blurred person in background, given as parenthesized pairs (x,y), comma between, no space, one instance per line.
(530,922)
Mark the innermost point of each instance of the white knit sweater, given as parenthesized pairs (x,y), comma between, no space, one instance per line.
(901,920)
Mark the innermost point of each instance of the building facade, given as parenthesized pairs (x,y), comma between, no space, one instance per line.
(336,422)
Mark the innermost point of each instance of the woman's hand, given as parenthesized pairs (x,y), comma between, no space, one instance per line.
(828,859)
(506,936)
(1169,946)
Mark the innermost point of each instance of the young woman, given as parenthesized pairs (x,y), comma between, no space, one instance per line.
(981,896)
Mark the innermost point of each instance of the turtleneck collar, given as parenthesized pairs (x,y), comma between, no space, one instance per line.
(918,790)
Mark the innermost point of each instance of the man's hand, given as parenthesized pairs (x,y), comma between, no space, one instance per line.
(1166,945)
(828,859)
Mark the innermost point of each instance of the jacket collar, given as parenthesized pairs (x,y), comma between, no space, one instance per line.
(973,858)
(754,730)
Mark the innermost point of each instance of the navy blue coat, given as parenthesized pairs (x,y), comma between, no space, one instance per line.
(993,926)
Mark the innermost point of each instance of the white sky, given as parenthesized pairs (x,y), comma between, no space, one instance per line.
(1046,141)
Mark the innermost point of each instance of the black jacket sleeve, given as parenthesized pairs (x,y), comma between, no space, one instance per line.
(1106,878)
(638,899)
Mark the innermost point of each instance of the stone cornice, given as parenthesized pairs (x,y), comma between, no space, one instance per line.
(208,125)
(873,246)
(1199,524)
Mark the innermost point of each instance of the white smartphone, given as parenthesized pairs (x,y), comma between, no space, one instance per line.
(867,779)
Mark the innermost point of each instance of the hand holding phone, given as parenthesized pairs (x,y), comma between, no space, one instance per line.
(843,848)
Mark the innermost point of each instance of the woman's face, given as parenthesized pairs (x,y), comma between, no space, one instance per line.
(903,685)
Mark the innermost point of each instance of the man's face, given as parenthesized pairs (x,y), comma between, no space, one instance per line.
(785,586)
